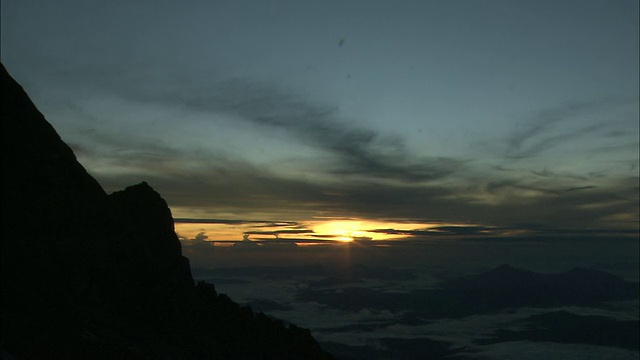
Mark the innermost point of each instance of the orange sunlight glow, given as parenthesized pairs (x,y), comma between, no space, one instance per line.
(312,231)
(342,230)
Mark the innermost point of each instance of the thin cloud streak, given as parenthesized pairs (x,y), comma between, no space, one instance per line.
(268,223)
(277,233)
(541,131)
(521,230)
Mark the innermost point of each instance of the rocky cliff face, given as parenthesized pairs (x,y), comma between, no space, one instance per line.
(91,275)
(144,219)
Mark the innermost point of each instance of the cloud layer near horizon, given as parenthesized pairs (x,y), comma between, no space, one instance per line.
(356,172)
(470,118)
(350,170)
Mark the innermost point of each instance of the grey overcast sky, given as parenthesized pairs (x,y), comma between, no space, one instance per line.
(401,118)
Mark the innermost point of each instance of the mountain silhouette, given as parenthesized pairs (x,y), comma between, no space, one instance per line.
(501,288)
(87,275)
(566,327)
(506,286)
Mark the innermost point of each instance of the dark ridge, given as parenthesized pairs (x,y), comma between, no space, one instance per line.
(393,348)
(517,287)
(566,327)
(86,275)
(499,289)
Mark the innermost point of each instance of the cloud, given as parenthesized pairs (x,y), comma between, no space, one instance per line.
(372,175)
(497,186)
(528,231)
(237,187)
(201,236)
(261,223)
(277,233)
(389,231)
(552,127)
(353,150)
(357,151)
(579,188)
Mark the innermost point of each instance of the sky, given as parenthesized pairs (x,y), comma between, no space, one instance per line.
(319,121)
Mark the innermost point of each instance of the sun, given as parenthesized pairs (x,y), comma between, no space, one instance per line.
(341,230)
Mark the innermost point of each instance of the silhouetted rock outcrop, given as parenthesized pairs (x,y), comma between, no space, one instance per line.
(90,275)
(143,218)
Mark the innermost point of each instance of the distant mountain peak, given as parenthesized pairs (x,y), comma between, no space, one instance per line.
(506,268)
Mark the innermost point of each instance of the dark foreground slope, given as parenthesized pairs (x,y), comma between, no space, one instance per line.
(90,275)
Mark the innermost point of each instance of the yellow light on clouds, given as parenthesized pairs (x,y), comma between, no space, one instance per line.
(317,229)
